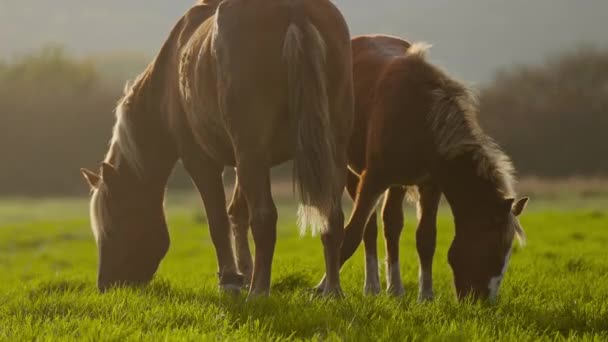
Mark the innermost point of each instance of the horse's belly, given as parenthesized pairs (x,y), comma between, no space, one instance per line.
(282,147)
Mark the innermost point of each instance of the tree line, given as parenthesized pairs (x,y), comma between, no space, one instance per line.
(56,114)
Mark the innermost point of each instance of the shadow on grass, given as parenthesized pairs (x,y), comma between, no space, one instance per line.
(292,282)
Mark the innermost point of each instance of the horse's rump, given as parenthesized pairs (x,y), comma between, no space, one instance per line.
(290,78)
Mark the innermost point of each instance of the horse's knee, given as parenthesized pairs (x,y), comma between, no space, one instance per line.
(263,222)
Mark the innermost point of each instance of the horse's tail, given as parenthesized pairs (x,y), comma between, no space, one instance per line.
(314,168)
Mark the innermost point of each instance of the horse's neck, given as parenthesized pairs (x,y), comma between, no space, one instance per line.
(142,147)
(465,189)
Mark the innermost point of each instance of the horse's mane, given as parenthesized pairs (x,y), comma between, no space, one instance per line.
(123,135)
(456,130)
(123,142)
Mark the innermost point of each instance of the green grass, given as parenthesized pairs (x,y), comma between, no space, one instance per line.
(556,287)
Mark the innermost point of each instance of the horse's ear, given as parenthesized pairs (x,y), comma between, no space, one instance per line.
(519,207)
(109,174)
(91,177)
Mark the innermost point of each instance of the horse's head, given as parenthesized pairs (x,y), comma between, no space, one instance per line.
(479,255)
(129,227)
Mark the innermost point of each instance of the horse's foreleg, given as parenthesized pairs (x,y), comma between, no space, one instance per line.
(239,221)
(208,180)
(369,191)
(254,182)
(372,272)
(370,236)
(352,239)
(426,238)
(392,217)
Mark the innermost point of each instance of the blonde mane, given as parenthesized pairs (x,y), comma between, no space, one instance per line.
(100,217)
(456,130)
(123,136)
(453,121)
(123,142)
(418,49)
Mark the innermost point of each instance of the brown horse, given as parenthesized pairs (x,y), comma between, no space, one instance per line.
(243,83)
(416,128)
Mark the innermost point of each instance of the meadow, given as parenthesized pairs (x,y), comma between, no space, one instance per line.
(555,289)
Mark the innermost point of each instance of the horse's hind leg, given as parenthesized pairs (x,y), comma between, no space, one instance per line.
(239,221)
(392,217)
(208,180)
(426,237)
(254,181)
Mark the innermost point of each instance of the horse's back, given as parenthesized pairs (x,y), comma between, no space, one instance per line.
(393,90)
(372,55)
(250,41)
(250,37)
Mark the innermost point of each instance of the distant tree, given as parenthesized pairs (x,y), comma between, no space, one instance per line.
(56,114)
(553,117)
(54,118)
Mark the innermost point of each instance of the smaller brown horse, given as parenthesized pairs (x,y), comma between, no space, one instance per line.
(416,127)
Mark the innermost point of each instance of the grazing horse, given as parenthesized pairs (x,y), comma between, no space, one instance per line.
(416,129)
(242,83)
(416,126)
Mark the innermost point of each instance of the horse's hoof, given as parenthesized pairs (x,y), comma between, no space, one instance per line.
(246,283)
(230,289)
(335,293)
(254,294)
(396,291)
(231,282)
(318,290)
(372,289)
(425,297)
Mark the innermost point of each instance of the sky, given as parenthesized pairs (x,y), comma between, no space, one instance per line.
(471,38)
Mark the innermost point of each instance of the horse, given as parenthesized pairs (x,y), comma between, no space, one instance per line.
(416,136)
(247,84)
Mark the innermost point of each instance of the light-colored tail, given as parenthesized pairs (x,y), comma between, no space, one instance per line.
(304,51)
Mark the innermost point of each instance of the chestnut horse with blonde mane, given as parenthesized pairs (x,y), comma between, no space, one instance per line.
(248,84)
(416,129)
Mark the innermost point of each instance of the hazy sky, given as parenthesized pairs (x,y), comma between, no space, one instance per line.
(471,38)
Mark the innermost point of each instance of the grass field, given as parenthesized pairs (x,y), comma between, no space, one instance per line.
(556,287)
